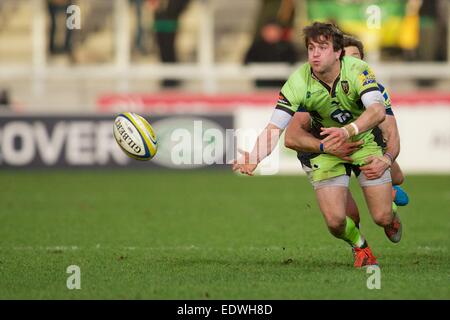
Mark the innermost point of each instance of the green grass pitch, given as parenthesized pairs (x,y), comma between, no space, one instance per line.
(207,235)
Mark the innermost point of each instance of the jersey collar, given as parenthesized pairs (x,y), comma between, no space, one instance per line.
(331,90)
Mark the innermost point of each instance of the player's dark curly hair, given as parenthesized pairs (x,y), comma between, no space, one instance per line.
(350,41)
(328,31)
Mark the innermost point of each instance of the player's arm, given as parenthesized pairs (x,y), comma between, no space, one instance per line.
(390,132)
(287,104)
(370,118)
(265,143)
(376,166)
(389,128)
(299,138)
(374,113)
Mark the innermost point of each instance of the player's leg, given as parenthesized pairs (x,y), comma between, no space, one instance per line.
(378,195)
(353,213)
(330,179)
(398,194)
(352,209)
(396,174)
(331,195)
(332,202)
(332,198)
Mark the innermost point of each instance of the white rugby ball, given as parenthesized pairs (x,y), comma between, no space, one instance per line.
(135,136)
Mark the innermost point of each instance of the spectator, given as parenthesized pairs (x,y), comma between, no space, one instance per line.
(433,28)
(139,33)
(443,20)
(5,102)
(282,11)
(270,47)
(409,37)
(167,13)
(57,8)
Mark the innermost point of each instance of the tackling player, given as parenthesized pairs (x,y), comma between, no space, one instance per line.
(342,96)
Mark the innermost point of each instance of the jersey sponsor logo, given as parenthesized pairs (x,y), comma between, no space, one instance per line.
(367,77)
(345,86)
(282,100)
(341,116)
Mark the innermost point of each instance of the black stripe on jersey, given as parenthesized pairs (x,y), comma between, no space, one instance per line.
(282,100)
(285,109)
(351,167)
(302,109)
(378,137)
(369,90)
(360,104)
(389,112)
(333,89)
(305,158)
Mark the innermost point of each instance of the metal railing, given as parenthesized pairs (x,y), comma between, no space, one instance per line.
(204,69)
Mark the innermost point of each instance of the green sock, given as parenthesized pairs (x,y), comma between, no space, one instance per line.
(394,208)
(352,235)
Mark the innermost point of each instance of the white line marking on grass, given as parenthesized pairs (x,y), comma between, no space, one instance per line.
(169,248)
(426,248)
(48,248)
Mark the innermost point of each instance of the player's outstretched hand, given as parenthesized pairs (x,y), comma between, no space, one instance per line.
(335,137)
(375,167)
(244,163)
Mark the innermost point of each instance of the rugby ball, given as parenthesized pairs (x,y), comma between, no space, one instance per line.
(135,136)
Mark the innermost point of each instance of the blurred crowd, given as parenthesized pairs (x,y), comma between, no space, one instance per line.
(408,30)
(411,29)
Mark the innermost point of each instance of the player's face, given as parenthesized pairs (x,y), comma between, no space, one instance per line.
(353,51)
(321,55)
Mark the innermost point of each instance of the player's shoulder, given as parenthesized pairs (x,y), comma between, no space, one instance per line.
(353,62)
(294,88)
(301,74)
(298,79)
(354,65)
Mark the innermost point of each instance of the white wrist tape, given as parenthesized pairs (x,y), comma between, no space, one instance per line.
(355,127)
(346,132)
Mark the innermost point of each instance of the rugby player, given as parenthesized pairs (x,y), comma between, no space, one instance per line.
(345,103)
(299,138)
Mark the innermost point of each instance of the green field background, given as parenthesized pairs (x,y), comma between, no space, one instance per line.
(207,235)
